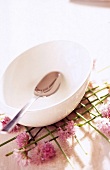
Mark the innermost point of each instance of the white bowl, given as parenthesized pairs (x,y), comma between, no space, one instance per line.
(22,75)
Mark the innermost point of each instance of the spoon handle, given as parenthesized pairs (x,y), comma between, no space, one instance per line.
(15,120)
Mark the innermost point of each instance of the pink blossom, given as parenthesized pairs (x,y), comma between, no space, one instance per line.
(22,139)
(67,132)
(22,157)
(105,111)
(16,128)
(91,84)
(1,126)
(103,125)
(6,120)
(42,152)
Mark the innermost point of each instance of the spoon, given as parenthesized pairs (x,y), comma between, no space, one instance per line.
(46,87)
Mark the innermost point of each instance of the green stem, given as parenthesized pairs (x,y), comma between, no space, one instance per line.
(93,126)
(10,140)
(91,107)
(67,158)
(87,121)
(89,90)
(80,144)
(6,142)
(103,69)
(10,153)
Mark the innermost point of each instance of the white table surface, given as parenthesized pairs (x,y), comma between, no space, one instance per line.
(27,23)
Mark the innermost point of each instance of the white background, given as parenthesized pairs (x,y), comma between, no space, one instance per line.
(27,23)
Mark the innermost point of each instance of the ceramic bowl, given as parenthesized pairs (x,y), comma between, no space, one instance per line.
(25,71)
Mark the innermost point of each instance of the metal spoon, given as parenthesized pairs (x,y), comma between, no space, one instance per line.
(46,87)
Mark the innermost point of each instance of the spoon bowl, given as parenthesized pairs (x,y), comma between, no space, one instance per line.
(48,85)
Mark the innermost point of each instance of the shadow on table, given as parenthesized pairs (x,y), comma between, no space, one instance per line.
(100,155)
(97,3)
(97,148)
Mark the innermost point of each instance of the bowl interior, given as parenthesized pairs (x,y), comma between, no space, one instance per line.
(23,74)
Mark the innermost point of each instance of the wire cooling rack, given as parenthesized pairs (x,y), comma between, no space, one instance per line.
(85,113)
